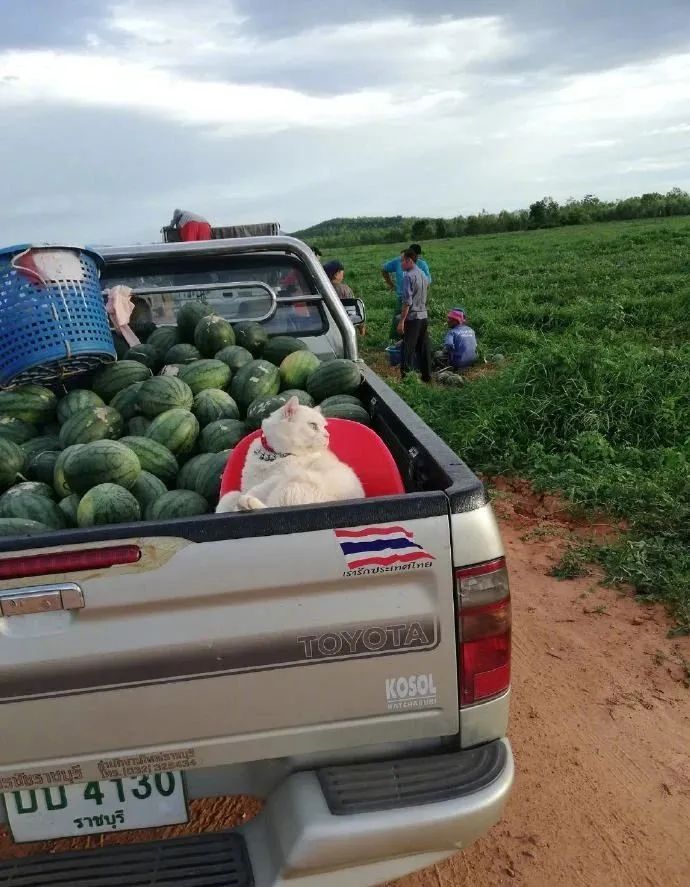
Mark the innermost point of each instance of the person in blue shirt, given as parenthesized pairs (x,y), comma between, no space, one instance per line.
(395,266)
(460,344)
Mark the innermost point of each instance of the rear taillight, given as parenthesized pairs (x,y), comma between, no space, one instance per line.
(483,630)
(68,561)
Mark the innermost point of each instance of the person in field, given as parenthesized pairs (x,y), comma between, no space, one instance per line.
(413,324)
(460,344)
(395,267)
(191,226)
(335,271)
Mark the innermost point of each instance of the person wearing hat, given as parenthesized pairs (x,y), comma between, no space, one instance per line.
(335,271)
(460,344)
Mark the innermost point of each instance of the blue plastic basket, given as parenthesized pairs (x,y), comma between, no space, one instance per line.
(394,353)
(51,327)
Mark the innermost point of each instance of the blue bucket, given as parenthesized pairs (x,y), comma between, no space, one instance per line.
(394,357)
(53,322)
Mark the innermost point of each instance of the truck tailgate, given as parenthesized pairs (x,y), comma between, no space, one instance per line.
(258,642)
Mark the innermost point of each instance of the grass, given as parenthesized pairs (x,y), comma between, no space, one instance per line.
(588,333)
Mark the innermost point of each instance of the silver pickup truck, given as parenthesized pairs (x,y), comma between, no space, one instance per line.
(274,653)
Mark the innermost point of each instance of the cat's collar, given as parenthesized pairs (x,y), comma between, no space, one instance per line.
(269,454)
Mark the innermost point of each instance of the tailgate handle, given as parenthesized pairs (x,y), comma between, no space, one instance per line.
(41,599)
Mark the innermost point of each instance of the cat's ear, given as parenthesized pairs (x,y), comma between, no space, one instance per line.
(318,410)
(290,408)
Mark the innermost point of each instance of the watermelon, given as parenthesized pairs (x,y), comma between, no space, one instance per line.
(251,335)
(154,458)
(296,369)
(188,317)
(142,329)
(346,411)
(12,461)
(175,504)
(341,398)
(107,504)
(164,393)
(210,475)
(113,378)
(205,374)
(190,473)
(32,506)
(15,526)
(163,338)
(177,430)
(41,466)
(212,404)
(306,400)
(103,461)
(146,354)
(59,479)
(31,403)
(75,401)
(126,402)
(33,486)
(181,354)
(41,445)
(51,429)
(235,357)
(338,376)
(256,379)
(138,426)
(262,407)
(223,434)
(69,506)
(279,347)
(16,430)
(212,334)
(147,488)
(93,423)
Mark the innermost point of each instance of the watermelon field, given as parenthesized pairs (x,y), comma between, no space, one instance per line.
(586,388)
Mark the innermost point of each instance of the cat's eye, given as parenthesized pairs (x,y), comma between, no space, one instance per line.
(313,426)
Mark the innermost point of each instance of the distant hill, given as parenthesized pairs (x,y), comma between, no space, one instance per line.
(357,224)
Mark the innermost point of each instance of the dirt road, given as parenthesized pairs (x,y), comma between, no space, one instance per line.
(600,728)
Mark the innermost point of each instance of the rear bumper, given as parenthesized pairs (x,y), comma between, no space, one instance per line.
(349,826)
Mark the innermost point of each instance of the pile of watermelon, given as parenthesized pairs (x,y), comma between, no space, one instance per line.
(150,437)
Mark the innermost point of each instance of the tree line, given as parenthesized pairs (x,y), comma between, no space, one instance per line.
(544,213)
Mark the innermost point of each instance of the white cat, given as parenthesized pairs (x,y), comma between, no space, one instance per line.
(290,464)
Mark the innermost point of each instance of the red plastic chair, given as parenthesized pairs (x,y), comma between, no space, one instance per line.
(354,444)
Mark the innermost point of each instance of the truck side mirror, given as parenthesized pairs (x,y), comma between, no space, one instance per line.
(355,311)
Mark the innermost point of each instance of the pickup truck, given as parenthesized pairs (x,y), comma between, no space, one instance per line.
(144,665)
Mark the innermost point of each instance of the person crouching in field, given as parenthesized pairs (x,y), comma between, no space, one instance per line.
(335,271)
(413,324)
(460,344)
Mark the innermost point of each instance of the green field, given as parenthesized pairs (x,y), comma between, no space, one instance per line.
(593,398)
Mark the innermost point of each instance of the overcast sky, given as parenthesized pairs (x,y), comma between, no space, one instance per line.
(114,112)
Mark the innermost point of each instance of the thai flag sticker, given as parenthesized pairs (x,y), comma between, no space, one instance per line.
(380,547)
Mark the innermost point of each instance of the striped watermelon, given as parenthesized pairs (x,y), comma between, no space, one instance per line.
(222,435)
(251,335)
(41,445)
(15,526)
(212,334)
(306,400)
(138,426)
(147,489)
(103,461)
(93,423)
(341,398)
(34,486)
(346,411)
(154,458)
(60,484)
(32,506)
(76,401)
(146,354)
(107,504)
(41,466)
(181,354)
(279,347)
(177,430)
(235,356)
(189,316)
(164,393)
(338,376)
(256,379)
(262,407)
(16,430)
(12,461)
(126,402)
(203,474)
(205,374)
(212,404)
(163,338)
(176,504)
(116,376)
(296,369)
(31,403)
(69,506)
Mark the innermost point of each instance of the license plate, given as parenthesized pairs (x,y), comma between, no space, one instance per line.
(112,805)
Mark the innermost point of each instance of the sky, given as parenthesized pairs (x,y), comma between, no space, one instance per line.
(115,112)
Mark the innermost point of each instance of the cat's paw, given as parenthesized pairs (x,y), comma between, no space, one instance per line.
(249,503)
(229,502)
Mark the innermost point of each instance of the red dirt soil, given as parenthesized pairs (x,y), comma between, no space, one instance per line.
(600,726)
